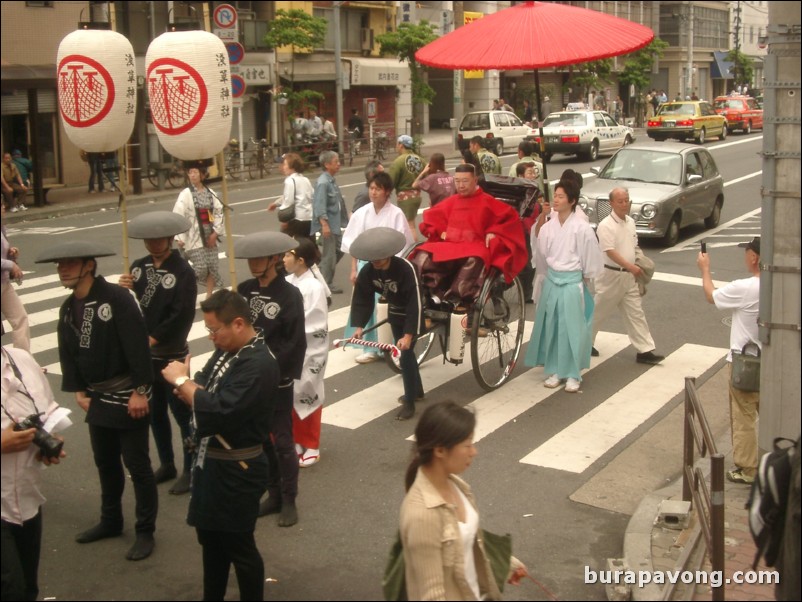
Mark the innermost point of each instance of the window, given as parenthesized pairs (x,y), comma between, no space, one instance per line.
(609,121)
(351,24)
(501,120)
(692,166)
(514,121)
(598,120)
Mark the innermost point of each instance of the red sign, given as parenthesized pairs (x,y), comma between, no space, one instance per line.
(225,16)
(371,108)
(85,91)
(235,52)
(178,96)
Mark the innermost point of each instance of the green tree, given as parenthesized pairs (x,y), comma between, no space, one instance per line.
(742,70)
(637,72)
(404,43)
(590,75)
(299,31)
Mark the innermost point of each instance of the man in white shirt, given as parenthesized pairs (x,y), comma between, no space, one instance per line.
(617,288)
(742,297)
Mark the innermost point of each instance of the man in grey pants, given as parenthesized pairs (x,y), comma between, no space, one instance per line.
(329,217)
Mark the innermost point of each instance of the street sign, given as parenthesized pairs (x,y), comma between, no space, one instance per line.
(371,108)
(226,34)
(225,16)
(235,52)
(237,86)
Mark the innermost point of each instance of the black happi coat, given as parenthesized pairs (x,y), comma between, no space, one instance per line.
(167,296)
(278,309)
(399,284)
(110,342)
(237,403)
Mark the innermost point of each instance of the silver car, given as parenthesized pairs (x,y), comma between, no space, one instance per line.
(670,187)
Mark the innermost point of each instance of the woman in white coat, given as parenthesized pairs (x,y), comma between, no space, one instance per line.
(309,391)
(298,193)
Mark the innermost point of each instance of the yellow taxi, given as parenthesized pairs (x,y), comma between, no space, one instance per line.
(687,120)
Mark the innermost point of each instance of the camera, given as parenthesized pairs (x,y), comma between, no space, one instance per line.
(47,443)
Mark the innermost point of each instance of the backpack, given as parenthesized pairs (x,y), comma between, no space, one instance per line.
(768,500)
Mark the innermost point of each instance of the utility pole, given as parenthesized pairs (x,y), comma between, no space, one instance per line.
(737,31)
(338,78)
(779,318)
(459,80)
(689,66)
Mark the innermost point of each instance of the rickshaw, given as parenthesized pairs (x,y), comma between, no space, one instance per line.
(494,325)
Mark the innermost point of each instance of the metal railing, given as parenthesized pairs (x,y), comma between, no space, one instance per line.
(709,503)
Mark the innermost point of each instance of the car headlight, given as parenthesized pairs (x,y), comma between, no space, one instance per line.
(648,211)
(583,204)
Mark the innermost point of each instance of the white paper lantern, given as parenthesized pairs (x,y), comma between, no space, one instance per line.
(97,89)
(189,86)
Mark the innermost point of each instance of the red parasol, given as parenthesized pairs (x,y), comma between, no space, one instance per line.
(533,35)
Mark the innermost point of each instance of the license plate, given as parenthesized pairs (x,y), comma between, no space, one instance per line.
(554,139)
(669,124)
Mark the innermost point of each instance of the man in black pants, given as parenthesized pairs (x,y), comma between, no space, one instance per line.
(105,361)
(277,308)
(232,401)
(166,287)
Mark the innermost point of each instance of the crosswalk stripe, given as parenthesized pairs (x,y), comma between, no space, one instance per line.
(586,440)
(373,402)
(505,404)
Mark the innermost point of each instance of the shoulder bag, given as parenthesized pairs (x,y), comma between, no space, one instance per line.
(497,547)
(287,214)
(746,369)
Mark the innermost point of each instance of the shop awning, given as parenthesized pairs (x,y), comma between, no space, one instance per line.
(307,71)
(25,77)
(720,69)
(378,72)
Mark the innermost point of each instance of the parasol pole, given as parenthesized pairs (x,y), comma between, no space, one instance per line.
(221,169)
(546,193)
(122,171)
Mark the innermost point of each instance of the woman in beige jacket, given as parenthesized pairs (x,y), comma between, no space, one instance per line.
(444,553)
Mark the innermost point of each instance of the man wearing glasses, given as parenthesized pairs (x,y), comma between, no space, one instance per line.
(232,402)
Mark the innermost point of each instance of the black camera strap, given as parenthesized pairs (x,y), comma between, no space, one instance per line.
(24,390)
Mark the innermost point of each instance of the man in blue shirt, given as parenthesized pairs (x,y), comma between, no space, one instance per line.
(329,217)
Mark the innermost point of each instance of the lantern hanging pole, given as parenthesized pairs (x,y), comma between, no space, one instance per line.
(122,170)
(221,169)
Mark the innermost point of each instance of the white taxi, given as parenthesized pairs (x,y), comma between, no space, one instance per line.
(585,133)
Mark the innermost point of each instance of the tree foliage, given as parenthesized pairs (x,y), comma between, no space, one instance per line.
(742,70)
(638,66)
(404,43)
(299,31)
(591,75)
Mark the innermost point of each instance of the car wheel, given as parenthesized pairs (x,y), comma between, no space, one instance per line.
(671,237)
(724,133)
(498,148)
(627,140)
(713,219)
(700,139)
(593,153)
(748,127)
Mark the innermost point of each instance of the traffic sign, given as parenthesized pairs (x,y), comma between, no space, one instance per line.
(237,86)
(225,16)
(235,52)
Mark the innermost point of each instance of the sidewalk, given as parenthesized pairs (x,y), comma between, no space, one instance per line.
(651,547)
(74,200)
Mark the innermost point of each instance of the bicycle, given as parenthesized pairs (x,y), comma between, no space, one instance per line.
(233,159)
(354,144)
(379,145)
(173,175)
(261,163)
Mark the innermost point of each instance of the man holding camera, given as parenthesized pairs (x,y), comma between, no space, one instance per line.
(743,298)
(27,403)
(105,360)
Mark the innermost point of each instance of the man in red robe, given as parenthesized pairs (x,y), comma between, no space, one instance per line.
(466,232)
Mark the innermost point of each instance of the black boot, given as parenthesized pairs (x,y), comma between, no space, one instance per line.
(98,532)
(165,472)
(142,548)
(289,515)
(181,486)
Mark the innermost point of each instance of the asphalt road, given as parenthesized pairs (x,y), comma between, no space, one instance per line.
(536,451)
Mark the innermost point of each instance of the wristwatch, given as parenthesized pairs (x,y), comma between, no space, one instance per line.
(142,389)
(180,381)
